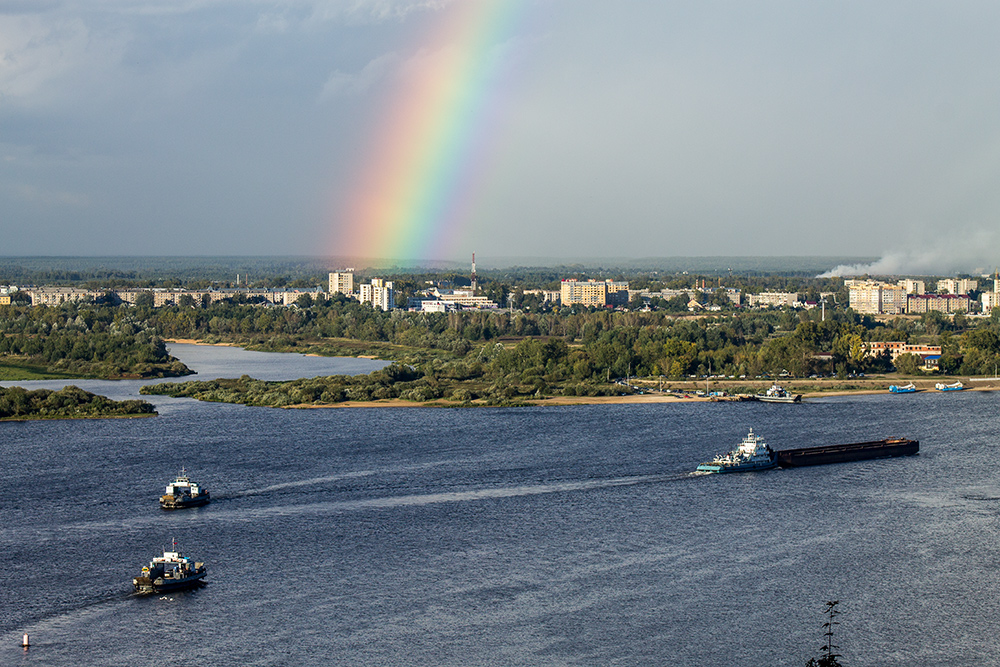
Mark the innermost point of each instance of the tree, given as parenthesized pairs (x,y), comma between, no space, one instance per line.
(186,301)
(828,657)
(144,300)
(907,364)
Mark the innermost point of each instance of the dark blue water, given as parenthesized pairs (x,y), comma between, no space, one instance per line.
(538,536)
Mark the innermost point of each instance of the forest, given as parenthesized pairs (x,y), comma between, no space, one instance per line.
(81,341)
(67,403)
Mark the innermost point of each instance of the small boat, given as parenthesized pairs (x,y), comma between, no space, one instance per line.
(778,394)
(170,572)
(182,492)
(957,386)
(751,454)
(903,389)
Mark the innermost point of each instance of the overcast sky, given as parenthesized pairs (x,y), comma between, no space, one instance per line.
(636,129)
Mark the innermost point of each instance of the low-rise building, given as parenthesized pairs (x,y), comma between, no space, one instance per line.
(929,354)
(53,296)
(773,300)
(546,294)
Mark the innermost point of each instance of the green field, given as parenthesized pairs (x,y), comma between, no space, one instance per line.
(19,371)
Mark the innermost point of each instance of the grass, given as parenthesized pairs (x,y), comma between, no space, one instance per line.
(21,371)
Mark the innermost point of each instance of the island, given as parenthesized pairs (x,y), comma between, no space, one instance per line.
(70,402)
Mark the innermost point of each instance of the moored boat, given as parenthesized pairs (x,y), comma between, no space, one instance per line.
(903,389)
(170,572)
(778,394)
(956,386)
(182,492)
(751,454)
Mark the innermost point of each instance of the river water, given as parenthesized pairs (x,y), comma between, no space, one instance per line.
(522,536)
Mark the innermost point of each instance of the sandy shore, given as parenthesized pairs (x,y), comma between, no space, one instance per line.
(193,341)
(635,399)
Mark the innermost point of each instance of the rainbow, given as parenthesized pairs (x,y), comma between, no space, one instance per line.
(427,156)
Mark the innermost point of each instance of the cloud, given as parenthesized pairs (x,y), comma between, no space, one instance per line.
(38,196)
(341,83)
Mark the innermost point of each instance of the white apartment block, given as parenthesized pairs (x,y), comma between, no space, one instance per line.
(990,300)
(772,299)
(53,296)
(379,294)
(547,295)
(593,292)
(956,285)
(912,286)
(342,283)
(871,297)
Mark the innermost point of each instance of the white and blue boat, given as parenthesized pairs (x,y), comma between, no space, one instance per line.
(957,386)
(751,454)
(903,389)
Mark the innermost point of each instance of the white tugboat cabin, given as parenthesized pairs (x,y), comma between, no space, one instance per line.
(182,492)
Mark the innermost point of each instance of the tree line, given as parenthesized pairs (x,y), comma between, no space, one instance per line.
(568,351)
(68,402)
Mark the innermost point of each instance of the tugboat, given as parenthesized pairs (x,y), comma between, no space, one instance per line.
(182,492)
(903,389)
(778,394)
(957,386)
(751,454)
(170,572)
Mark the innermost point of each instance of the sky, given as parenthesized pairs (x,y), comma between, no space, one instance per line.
(431,129)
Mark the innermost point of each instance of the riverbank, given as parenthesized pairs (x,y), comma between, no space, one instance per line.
(652,390)
(631,399)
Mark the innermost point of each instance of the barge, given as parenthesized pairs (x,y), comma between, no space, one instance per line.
(857,451)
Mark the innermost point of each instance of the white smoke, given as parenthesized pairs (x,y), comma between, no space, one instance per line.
(974,254)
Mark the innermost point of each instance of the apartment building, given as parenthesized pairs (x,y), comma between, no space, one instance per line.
(896,348)
(379,294)
(872,297)
(342,282)
(773,299)
(956,285)
(593,292)
(945,303)
(53,296)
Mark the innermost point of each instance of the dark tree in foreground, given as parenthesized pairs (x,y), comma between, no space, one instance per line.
(828,657)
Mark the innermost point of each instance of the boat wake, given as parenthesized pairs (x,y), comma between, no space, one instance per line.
(471,495)
(339,477)
(302,482)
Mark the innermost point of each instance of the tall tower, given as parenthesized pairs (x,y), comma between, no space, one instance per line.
(473,272)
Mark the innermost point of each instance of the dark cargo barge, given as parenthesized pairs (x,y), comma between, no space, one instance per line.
(856,451)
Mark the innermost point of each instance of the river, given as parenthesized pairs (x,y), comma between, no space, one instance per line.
(521,536)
